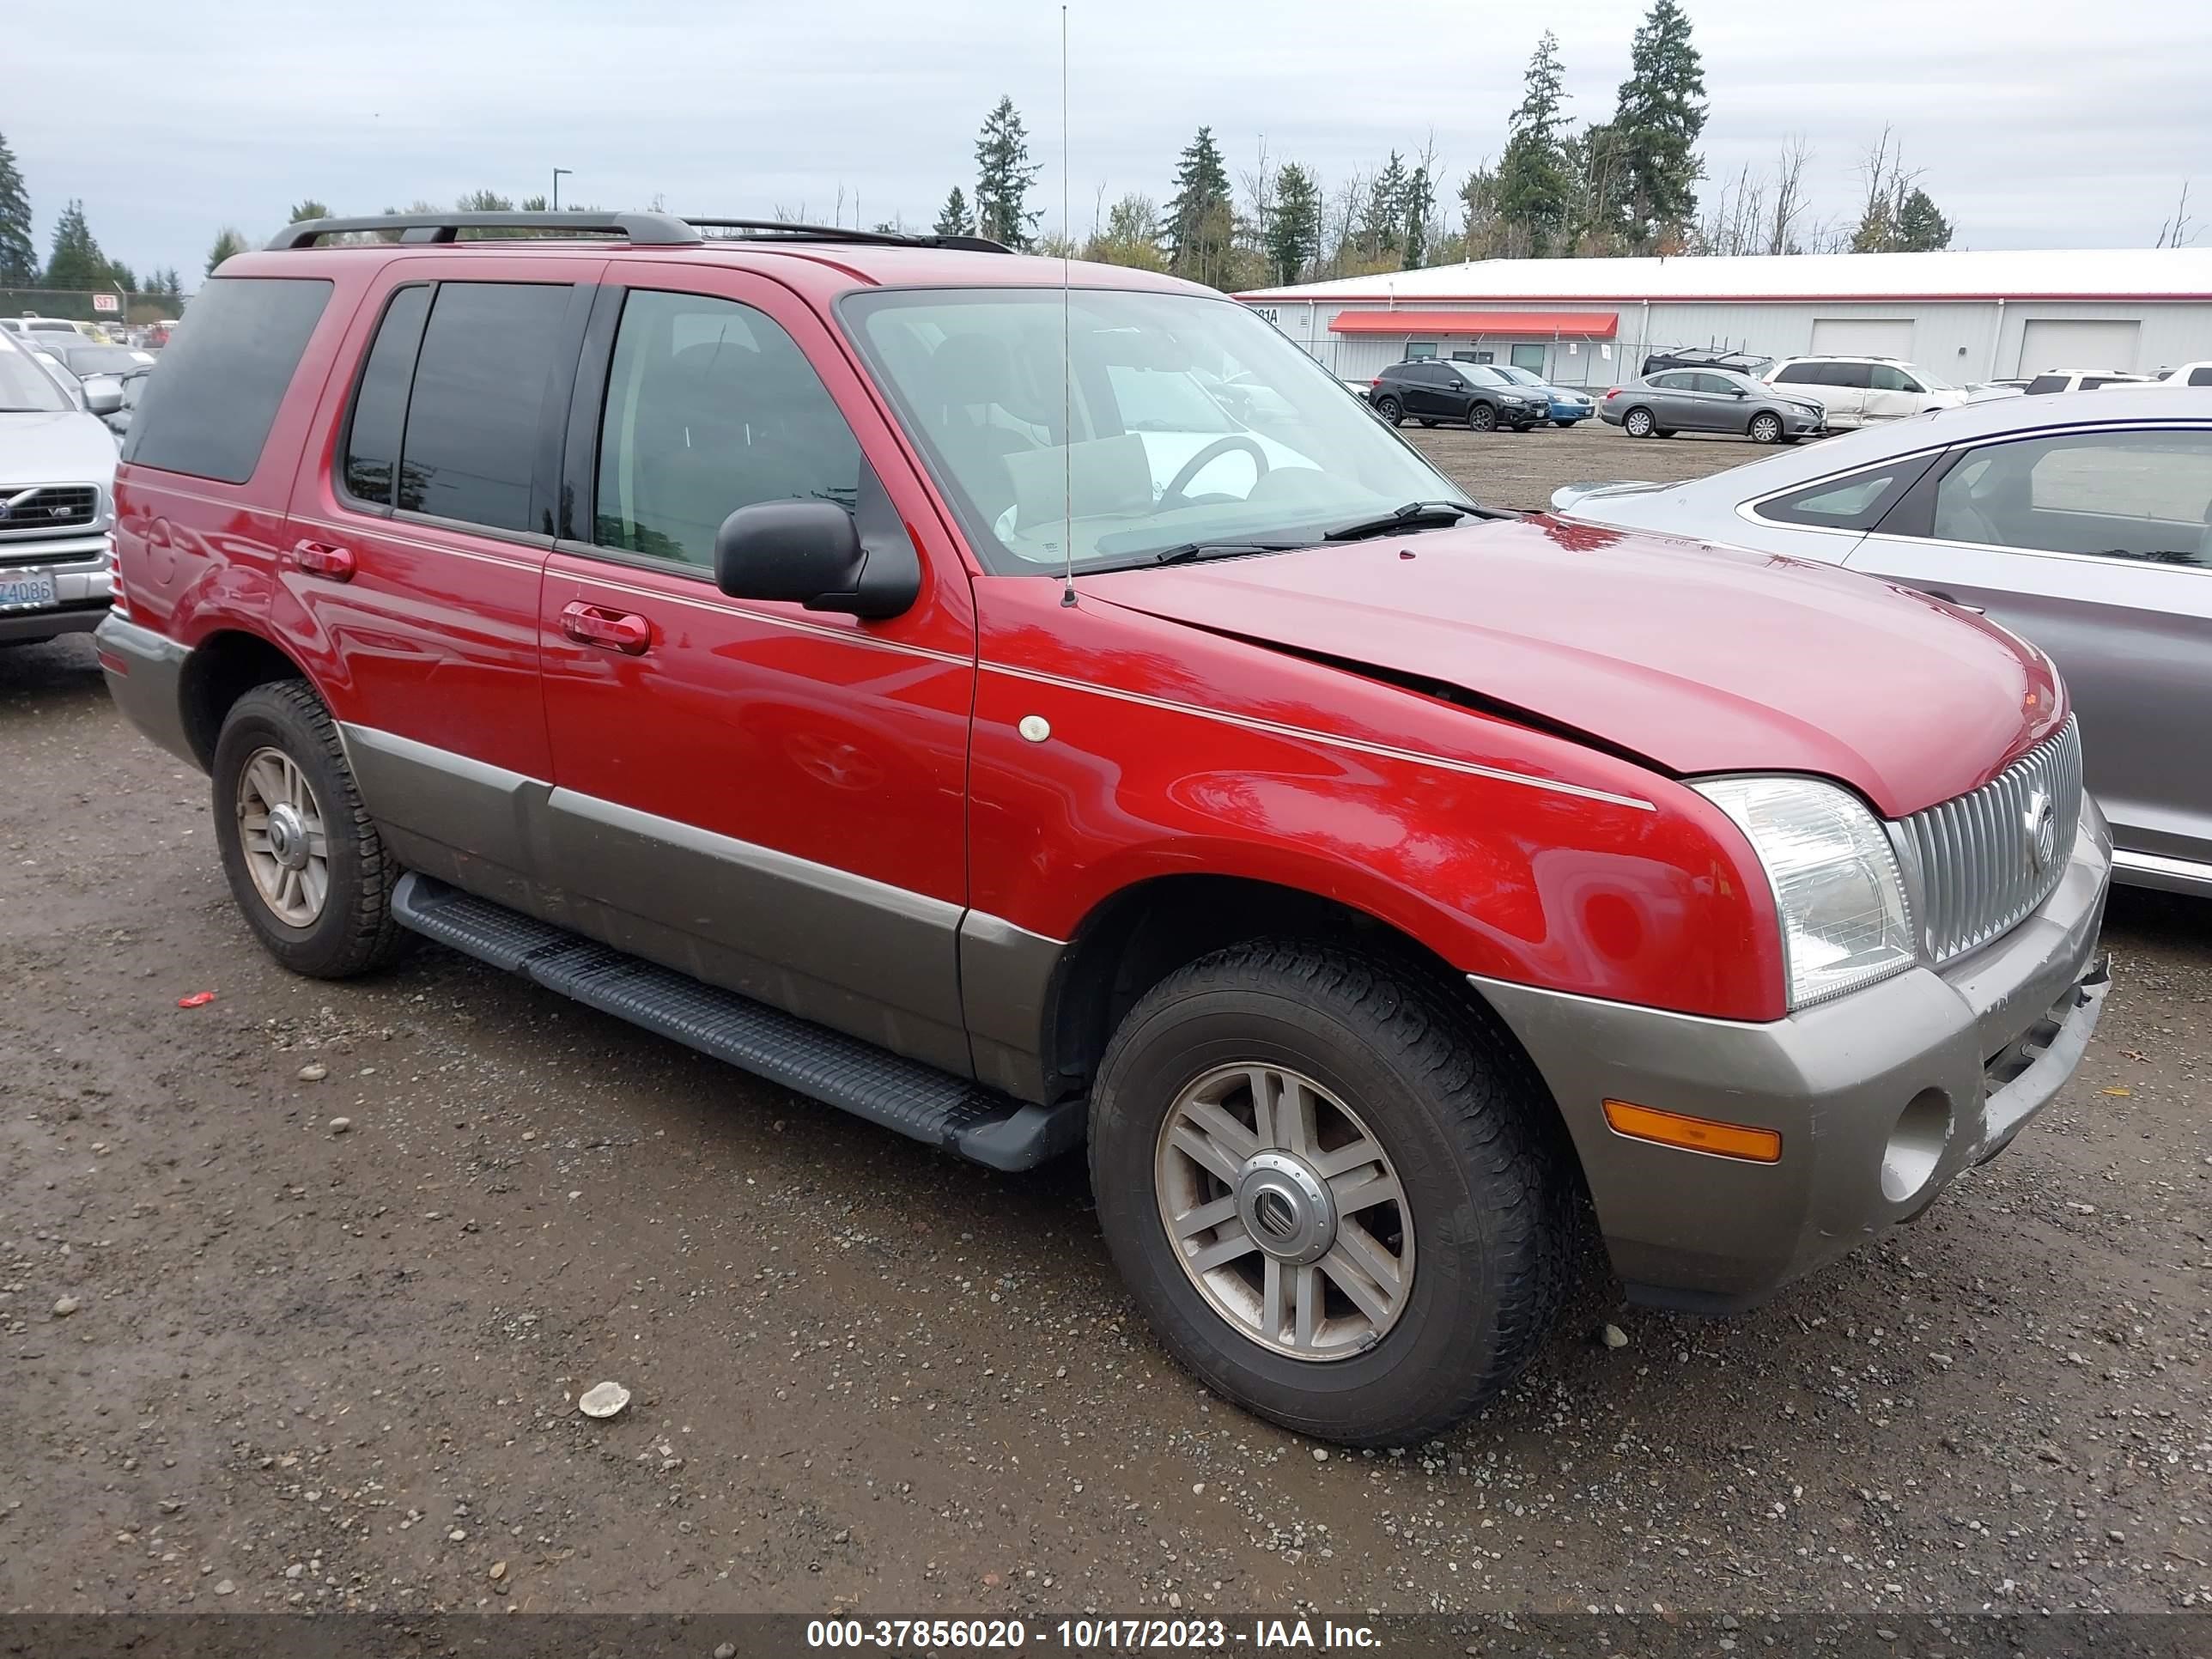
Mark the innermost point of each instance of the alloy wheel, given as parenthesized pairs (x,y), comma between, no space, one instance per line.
(1285,1211)
(280,832)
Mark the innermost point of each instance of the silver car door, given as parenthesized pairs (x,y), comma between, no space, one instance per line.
(2097,547)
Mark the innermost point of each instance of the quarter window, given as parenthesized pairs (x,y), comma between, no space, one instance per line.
(476,413)
(209,411)
(710,407)
(1856,502)
(2142,495)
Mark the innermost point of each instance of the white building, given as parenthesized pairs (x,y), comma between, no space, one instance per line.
(1963,315)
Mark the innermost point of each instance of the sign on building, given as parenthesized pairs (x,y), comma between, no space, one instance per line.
(107,302)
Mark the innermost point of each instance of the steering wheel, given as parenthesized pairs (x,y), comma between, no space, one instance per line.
(1173,496)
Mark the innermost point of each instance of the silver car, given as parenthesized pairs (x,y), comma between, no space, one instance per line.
(1710,400)
(2082,521)
(57,494)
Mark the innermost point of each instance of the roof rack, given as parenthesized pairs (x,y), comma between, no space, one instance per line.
(638,229)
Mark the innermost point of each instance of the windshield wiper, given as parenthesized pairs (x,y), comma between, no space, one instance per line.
(1425,514)
(1189,551)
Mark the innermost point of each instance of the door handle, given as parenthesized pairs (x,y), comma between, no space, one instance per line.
(1938,593)
(324,559)
(617,631)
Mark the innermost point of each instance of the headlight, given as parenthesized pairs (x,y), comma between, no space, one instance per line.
(1846,921)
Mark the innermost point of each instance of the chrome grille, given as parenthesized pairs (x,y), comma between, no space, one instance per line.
(1980,874)
(41,509)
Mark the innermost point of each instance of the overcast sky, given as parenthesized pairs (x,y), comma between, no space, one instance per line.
(2039,123)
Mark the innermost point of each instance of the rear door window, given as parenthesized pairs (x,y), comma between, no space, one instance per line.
(223,376)
(1857,377)
(476,415)
(2141,495)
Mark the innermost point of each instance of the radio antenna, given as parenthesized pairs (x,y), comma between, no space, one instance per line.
(1066,348)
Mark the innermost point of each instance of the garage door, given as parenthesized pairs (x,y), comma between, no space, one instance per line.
(2046,344)
(1862,337)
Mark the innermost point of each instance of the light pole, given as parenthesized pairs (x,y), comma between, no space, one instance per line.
(559,173)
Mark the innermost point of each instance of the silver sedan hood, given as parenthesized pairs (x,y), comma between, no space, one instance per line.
(54,446)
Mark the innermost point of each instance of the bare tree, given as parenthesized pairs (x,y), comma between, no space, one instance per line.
(1789,195)
(2177,232)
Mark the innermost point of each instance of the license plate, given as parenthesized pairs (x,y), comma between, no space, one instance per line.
(28,592)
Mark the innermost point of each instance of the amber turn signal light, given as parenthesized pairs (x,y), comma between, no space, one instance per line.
(1695,1134)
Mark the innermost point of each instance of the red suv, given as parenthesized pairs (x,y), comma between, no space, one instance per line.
(1029,706)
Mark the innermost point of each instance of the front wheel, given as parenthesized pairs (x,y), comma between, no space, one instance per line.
(1330,1190)
(1766,428)
(1482,417)
(306,865)
(1391,410)
(1638,423)
(1562,425)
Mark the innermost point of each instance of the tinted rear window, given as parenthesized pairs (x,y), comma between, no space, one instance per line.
(473,421)
(223,376)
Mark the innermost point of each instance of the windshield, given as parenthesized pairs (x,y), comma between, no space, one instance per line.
(103,359)
(1193,421)
(25,387)
(1518,375)
(1933,382)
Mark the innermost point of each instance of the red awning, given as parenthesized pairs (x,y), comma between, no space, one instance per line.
(1517,324)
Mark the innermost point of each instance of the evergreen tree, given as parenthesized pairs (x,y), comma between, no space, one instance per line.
(1004,175)
(19,252)
(1417,206)
(1382,220)
(76,261)
(166,284)
(1656,124)
(953,218)
(227,242)
(1293,234)
(1920,227)
(121,276)
(1201,216)
(1532,185)
(310,208)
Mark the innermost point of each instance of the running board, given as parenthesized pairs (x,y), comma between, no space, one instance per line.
(915,1100)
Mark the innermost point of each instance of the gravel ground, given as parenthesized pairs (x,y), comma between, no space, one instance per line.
(1521,469)
(298,1289)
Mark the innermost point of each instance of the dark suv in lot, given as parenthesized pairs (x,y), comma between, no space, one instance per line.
(877,663)
(1432,391)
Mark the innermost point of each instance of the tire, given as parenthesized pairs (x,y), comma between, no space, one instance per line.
(1482,417)
(1765,428)
(281,729)
(1391,410)
(1428,422)
(1484,1226)
(1562,425)
(1638,423)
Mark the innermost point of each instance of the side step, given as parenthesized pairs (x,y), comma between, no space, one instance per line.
(916,1100)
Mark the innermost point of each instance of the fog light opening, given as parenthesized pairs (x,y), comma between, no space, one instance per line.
(1916,1146)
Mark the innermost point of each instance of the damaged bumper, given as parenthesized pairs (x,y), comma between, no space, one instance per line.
(1881,1099)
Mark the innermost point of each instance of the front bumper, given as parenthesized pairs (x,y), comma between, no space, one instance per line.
(1882,1097)
(1803,422)
(1573,412)
(78,564)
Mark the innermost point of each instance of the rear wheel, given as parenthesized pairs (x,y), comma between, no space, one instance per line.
(1391,410)
(1765,428)
(1482,417)
(1329,1190)
(1638,423)
(305,865)
(1428,422)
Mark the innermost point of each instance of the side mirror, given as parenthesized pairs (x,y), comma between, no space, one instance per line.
(103,395)
(1738,392)
(811,553)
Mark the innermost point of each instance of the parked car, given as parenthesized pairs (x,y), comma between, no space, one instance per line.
(2083,523)
(1710,400)
(1432,390)
(2081,379)
(1565,406)
(1861,391)
(28,328)
(2194,374)
(57,474)
(1740,362)
(86,358)
(727,634)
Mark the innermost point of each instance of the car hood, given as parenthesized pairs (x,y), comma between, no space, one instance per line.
(58,446)
(1693,658)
